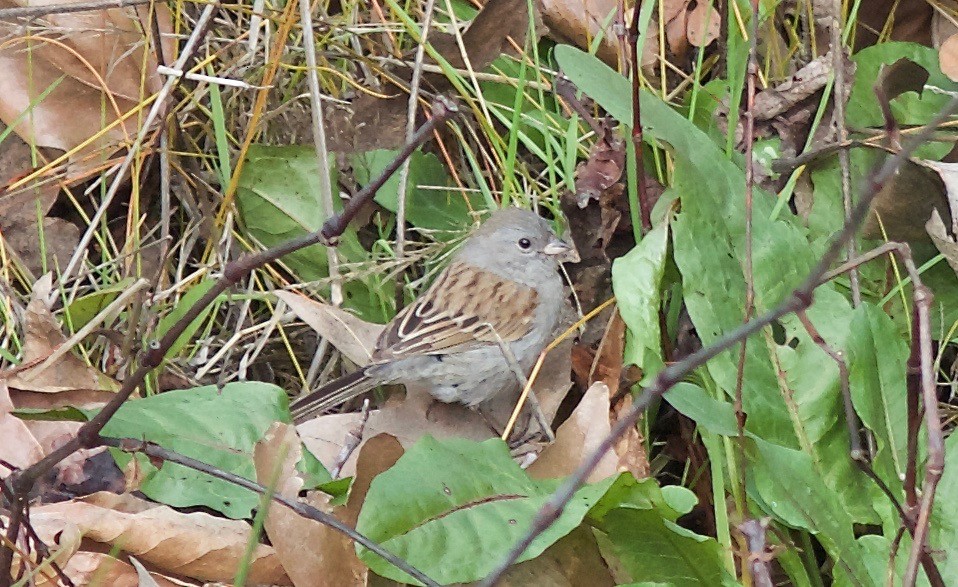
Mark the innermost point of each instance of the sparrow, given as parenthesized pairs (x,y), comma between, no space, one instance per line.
(502,288)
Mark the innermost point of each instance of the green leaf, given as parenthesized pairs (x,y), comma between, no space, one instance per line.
(218,426)
(876,358)
(179,310)
(453,509)
(431,201)
(652,548)
(61,414)
(693,402)
(278,198)
(85,308)
(788,483)
(909,108)
(636,282)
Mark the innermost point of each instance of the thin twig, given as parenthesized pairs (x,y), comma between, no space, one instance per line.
(645,214)
(748,269)
(150,449)
(411,108)
(839,93)
(67,8)
(800,299)
(319,143)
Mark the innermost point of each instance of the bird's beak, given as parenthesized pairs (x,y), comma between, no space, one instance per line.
(562,251)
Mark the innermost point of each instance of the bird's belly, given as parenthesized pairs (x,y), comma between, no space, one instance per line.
(469,377)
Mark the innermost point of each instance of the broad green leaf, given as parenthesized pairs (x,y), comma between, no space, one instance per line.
(218,426)
(652,548)
(693,402)
(909,108)
(85,308)
(876,356)
(179,310)
(636,281)
(431,201)
(278,198)
(876,551)
(454,508)
(788,483)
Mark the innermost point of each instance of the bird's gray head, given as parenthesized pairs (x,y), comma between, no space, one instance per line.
(517,244)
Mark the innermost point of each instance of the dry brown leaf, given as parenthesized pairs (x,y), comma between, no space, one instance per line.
(196,545)
(104,58)
(948,57)
(906,203)
(17,445)
(378,454)
(578,437)
(704,24)
(579,23)
(330,554)
(802,84)
(676,34)
(351,336)
(944,242)
(603,168)
(20,209)
(61,538)
(42,338)
(97,568)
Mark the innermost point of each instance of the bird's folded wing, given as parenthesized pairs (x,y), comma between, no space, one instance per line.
(459,311)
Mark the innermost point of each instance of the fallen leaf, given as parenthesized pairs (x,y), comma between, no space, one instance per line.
(704,24)
(803,84)
(18,447)
(43,338)
(577,438)
(943,241)
(19,210)
(196,545)
(905,204)
(603,168)
(95,63)
(351,336)
(97,568)
(330,554)
(948,57)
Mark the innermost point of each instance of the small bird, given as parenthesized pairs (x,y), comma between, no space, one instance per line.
(501,289)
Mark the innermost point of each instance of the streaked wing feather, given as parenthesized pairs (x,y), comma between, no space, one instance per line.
(455,313)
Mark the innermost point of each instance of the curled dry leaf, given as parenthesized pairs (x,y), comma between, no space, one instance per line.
(704,24)
(354,338)
(802,84)
(580,23)
(102,57)
(42,338)
(603,168)
(948,57)
(17,445)
(196,545)
(97,568)
(330,554)
(578,437)
(943,241)
(20,208)
(62,540)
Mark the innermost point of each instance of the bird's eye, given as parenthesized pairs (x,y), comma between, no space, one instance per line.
(524,243)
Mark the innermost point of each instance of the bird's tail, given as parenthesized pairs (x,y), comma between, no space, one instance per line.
(332,394)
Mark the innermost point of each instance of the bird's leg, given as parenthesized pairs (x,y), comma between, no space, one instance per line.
(523,382)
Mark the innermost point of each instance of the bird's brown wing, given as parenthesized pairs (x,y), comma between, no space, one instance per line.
(456,313)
